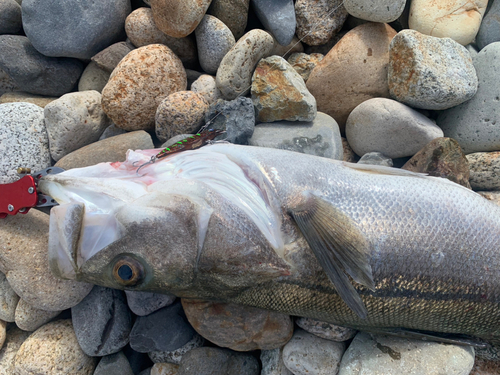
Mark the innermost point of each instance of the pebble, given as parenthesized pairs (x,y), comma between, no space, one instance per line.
(376,158)
(145,303)
(320,137)
(26,97)
(348,154)
(10,17)
(484,170)
(112,131)
(326,330)
(234,14)
(441,157)
(489,32)
(456,19)
(164,330)
(179,113)
(192,75)
(214,40)
(319,21)
(472,123)
(23,140)
(440,79)
(141,30)
(93,78)
(3,332)
(485,367)
(139,83)
(368,354)
(23,259)
(285,51)
(234,76)
(240,328)
(107,150)
(325,48)
(102,321)
(109,57)
(114,364)
(15,337)
(175,356)
(7,84)
(304,63)
(178,19)
(30,319)
(210,361)
(307,354)
(73,121)
(53,350)
(272,362)
(205,86)
(357,67)
(375,11)
(493,196)
(61,29)
(389,127)
(8,300)
(277,16)
(280,93)
(38,74)
(164,369)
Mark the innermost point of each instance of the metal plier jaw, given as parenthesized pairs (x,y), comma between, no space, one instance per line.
(23,194)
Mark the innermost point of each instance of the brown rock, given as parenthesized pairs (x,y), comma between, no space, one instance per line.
(178,18)
(484,170)
(15,338)
(442,157)
(234,14)
(485,367)
(353,71)
(164,369)
(3,332)
(237,327)
(493,196)
(26,97)
(304,63)
(145,77)
(109,57)
(108,150)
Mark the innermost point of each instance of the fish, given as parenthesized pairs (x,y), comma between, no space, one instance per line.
(362,246)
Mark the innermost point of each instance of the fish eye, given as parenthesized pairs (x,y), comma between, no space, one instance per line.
(128,271)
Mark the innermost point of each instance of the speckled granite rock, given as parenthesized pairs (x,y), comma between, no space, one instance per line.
(25,97)
(205,85)
(15,338)
(234,14)
(484,170)
(304,63)
(326,330)
(29,318)
(8,300)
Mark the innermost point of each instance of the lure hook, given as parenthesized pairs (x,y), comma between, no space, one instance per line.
(150,161)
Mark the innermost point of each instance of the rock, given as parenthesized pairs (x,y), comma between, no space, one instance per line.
(63,29)
(455,19)
(295,46)
(357,67)
(8,300)
(25,97)
(164,369)
(175,356)
(489,32)
(53,350)
(145,303)
(73,121)
(93,78)
(208,361)
(7,84)
(279,92)
(234,75)
(234,14)
(368,354)
(307,354)
(3,332)
(485,367)
(438,80)
(472,124)
(112,131)
(146,371)
(375,11)
(30,319)
(23,140)
(109,57)
(325,48)
(139,83)
(179,113)
(278,17)
(102,321)
(484,170)
(107,150)
(376,158)
(320,137)
(348,154)
(15,337)
(442,157)
(493,196)
(10,17)
(214,40)
(37,74)
(114,364)
(178,19)
(389,127)
(319,21)
(138,361)
(236,117)
(272,362)
(205,86)
(164,330)
(23,259)
(240,328)
(141,30)
(304,63)
(192,75)
(326,330)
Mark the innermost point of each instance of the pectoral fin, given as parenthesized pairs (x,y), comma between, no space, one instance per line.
(339,246)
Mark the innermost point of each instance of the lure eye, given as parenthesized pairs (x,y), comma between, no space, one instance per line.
(128,271)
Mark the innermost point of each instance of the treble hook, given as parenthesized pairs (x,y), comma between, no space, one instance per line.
(151,161)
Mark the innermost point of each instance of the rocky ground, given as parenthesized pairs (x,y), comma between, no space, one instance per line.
(410,84)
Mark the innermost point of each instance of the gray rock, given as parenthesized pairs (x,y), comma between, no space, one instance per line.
(368,354)
(205,85)
(146,371)
(307,354)
(74,30)
(111,131)
(326,330)
(102,321)
(7,84)
(15,337)
(277,16)
(320,137)
(164,330)
(439,79)
(109,57)
(175,356)
(475,124)
(375,10)
(214,40)
(10,17)
(145,303)
(114,364)
(389,127)
(34,72)
(23,140)
(376,158)
(29,318)
(489,32)
(93,78)
(216,361)
(73,121)
(484,170)
(8,300)
(272,362)
(234,14)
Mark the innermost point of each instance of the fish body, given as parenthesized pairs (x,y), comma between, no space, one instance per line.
(225,223)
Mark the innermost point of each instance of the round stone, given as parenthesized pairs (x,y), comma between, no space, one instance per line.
(10,17)
(484,167)
(277,16)
(205,86)
(145,303)
(489,32)
(13,341)
(326,330)
(93,78)
(304,63)
(234,14)
(29,318)
(8,300)
(375,10)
